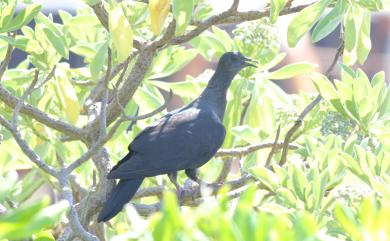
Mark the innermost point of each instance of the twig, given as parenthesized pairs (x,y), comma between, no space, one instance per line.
(97,91)
(6,60)
(30,89)
(22,99)
(271,153)
(27,150)
(308,108)
(124,70)
(103,125)
(241,151)
(125,117)
(192,194)
(101,14)
(48,77)
(226,167)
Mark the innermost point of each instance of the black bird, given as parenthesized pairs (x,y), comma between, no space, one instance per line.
(184,139)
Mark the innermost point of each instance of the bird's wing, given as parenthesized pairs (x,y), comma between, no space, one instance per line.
(183,140)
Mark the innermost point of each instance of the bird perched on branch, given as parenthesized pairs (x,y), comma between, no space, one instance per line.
(184,139)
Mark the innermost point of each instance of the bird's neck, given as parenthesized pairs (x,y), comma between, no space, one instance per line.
(214,95)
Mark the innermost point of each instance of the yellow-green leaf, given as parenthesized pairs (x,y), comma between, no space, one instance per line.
(121,33)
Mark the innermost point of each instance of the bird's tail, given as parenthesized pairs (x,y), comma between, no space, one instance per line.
(122,193)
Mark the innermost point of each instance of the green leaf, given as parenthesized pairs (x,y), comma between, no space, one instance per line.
(287,196)
(364,41)
(299,182)
(57,41)
(372,5)
(324,86)
(190,89)
(28,219)
(84,49)
(48,23)
(92,2)
(223,37)
(385,106)
(203,44)
(304,20)
(23,18)
(365,108)
(291,70)
(7,183)
(29,184)
(378,78)
(276,7)
(48,216)
(83,21)
(21,42)
(148,98)
(329,23)
(350,30)
(98,62)
(182,12)
(166,64)
(347,221)
(65,16)
(44,236)
(7,13)
(266,177)
(245,133)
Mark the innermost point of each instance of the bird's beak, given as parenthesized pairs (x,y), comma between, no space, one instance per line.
(250,62)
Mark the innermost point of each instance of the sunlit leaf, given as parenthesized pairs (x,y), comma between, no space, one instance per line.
(304,20)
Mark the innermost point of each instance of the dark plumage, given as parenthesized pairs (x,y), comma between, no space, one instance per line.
(183,139)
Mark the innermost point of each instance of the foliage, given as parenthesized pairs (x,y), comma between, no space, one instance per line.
(336,181)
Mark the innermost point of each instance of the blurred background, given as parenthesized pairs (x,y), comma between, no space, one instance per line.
(321,52)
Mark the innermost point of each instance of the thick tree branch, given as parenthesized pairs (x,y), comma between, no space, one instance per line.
(230,16)
(127,90)
(168,35)
(40,116)
(97,91)
(77,228)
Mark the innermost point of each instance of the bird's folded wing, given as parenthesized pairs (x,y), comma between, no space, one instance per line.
(181,141)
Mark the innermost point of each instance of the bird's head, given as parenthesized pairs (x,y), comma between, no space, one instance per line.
(235,61)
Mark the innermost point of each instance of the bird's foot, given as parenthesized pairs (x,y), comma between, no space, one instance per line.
(179,192)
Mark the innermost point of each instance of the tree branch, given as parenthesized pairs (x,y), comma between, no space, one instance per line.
(27,150)
(308,108)
(125,117)
(6,60)
(103,124)
(241,151)
(28,91)
(231,16)
(40,116)
(77,228)
(271,153)
(127,90)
